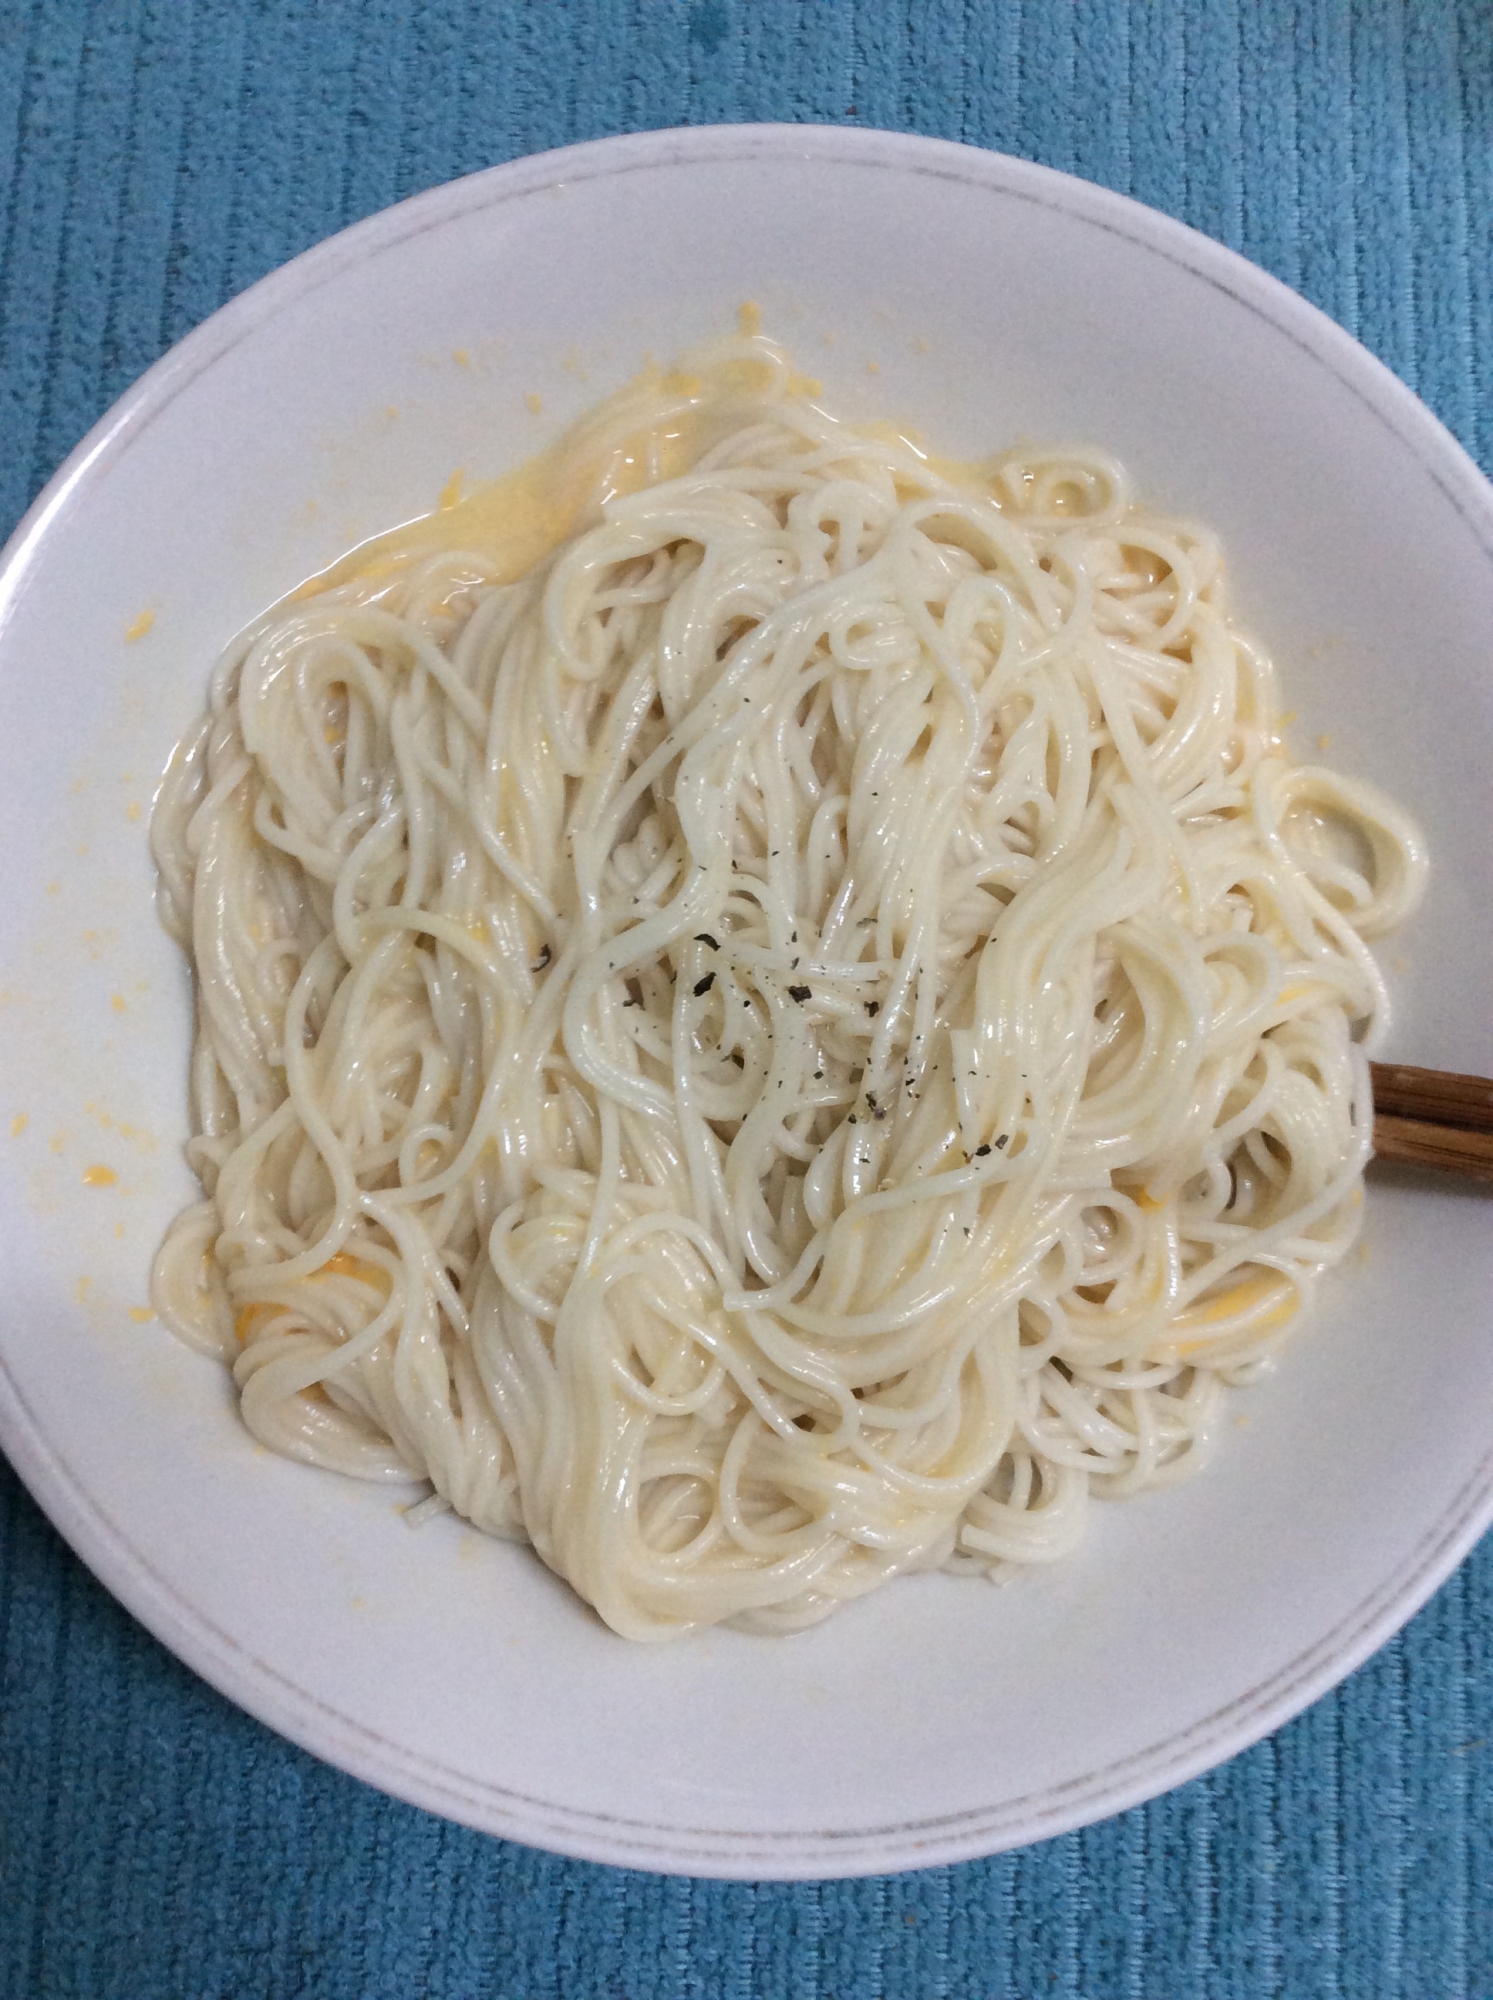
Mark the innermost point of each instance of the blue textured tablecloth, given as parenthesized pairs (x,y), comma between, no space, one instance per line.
(161,154)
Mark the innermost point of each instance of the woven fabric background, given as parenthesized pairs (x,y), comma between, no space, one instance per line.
(158,156)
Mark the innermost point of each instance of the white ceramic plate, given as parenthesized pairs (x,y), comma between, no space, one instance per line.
(984,299)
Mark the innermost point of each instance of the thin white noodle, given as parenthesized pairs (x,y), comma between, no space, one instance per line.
(793,1044)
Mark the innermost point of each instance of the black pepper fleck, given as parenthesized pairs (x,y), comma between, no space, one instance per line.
(873,1008)
(800,993)
(981,1151)
(704,985)
(704,937)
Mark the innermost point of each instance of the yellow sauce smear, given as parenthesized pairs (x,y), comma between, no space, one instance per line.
(654,429)
(243,1326)
(99,1177)
(140,627)
(1251,1293)
(346,1265)
(343,1265)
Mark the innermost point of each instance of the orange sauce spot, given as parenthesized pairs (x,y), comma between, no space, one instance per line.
(1241,1298)
(140,1314)
(140,627)
(100,1177)
(243,1326)
(19,1123)
(345,1265)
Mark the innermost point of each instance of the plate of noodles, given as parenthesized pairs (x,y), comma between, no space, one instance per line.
(704,841)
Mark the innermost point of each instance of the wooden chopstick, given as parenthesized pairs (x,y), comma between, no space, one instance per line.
(1434,1118)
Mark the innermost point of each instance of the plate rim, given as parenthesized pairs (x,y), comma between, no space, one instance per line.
(291,1710)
